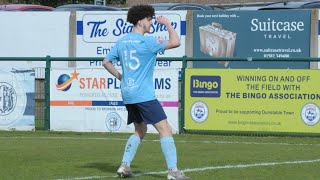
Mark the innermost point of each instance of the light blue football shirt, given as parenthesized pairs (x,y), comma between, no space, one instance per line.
(137,55)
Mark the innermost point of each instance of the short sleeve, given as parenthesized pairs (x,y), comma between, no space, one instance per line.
(156,45)
(113,55)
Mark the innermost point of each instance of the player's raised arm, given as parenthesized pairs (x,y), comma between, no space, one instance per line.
(174,40)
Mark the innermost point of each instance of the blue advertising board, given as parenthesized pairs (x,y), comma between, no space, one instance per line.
(263,34)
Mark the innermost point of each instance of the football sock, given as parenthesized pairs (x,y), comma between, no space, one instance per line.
(169,151)
(130,149)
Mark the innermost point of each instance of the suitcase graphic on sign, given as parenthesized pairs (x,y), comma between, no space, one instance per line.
(217,42)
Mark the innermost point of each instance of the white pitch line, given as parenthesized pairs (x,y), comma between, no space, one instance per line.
(206,169)
(177,141)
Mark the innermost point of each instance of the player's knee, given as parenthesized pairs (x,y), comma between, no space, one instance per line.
(140,130)
(140,134)
(166,133)
(143,130)
(166,130)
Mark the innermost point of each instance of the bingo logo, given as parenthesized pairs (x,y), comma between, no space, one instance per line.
(310,114)
(205,86)
(65,81)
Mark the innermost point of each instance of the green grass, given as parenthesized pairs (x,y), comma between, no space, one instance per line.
(45,155)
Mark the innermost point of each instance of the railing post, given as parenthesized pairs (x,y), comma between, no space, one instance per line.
(47,93)
(184,66)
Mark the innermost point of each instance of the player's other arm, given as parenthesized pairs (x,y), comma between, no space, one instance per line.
(111,69)
(174,40)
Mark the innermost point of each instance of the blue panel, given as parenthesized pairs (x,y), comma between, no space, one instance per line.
(79,27)
(319,27)
(183,27)
(107,103)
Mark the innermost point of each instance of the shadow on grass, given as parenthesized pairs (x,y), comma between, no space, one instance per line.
(156,176)
(141,174)
(111,168)
(104,167)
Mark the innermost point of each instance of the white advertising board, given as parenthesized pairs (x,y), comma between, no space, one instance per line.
(34,34)
(17,100)
(97,33)
(89,100)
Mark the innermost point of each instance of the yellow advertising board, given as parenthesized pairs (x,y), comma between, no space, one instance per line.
(273,100)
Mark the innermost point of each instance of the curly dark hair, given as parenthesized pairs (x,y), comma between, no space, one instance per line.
(138,12)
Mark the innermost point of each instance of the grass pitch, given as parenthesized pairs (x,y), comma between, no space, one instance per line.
(44,155)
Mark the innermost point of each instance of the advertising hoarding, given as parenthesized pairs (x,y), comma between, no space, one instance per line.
(252,100)
(34,34)
(264,34)
(89,100)
(17,104)
(97,33)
